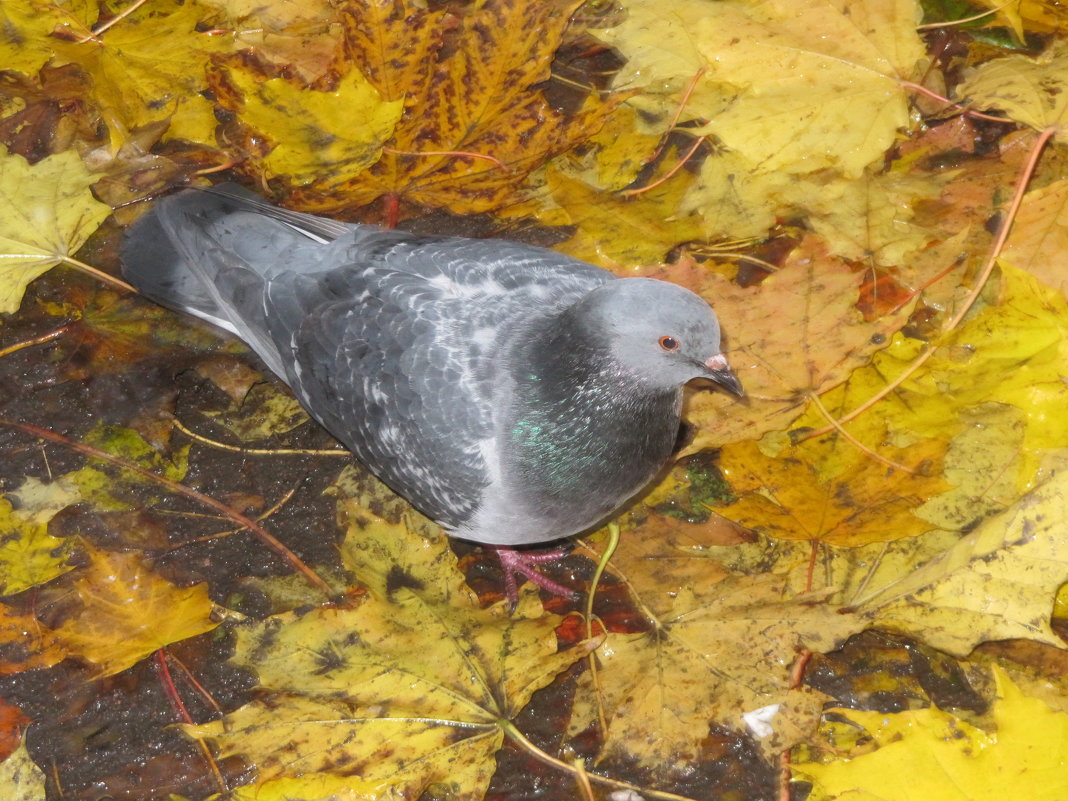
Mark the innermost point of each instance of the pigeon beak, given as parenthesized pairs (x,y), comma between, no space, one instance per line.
(720,372)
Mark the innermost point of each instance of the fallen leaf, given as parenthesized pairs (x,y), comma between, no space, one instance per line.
(996,583)
(475,121)
(29,555)
(659,691)
(828,491)
(27,44)
(920,754)
(797,332)
(781,82)
(46,213)
(408,688)
(265,411)
(308,135)
(20,778)
(127,611)
(12,724)
(25,644)
(1031,91)
(151,67)
(1039,239)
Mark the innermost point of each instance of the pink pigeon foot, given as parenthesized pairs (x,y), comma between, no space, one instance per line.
(522,563)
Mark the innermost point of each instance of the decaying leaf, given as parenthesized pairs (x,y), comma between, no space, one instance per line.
(20,777)
(25,644)
(996,583)
(475,122)
(1033,91)
(829,491)
(308,135)
(151,68)
(781,82)
(1039,239)
(407,689)
(29,555)
(46,213)
(659,691)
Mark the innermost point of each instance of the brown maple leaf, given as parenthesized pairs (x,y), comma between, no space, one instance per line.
(474,121)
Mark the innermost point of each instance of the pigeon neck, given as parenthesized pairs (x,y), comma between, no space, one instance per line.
(576,415)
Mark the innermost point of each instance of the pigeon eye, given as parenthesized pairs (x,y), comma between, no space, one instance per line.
(669,343)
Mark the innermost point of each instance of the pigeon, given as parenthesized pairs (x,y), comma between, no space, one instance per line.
(512,394)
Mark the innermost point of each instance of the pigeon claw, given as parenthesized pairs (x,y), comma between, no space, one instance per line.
(523,563)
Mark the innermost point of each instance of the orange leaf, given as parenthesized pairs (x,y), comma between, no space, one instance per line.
(474,123)
(128,611)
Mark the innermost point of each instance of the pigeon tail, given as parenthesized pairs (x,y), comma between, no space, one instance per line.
(211,254)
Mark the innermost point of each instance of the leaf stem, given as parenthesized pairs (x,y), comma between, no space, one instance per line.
(100,275)
(856,443)
(55,333)
(672,171)
(923,90)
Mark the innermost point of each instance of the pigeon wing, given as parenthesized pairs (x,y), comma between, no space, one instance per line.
(400,353)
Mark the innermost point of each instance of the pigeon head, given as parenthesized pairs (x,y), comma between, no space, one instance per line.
(662,333)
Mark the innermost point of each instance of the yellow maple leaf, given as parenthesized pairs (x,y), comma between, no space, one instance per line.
(310,134)
(26,644)
(46,213)
(151,67)
(926,754)
(21,775)
(1012,353)
(867,217)
(301,37)
(29,555)
(413,686)
(474,94)
(614,231)
(1032,91)
(27,44)
(127,611)
(782,82)
(659,691)
(996,583)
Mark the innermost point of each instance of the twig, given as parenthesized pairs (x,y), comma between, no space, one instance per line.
(519,739)
(95,33)
(55,333)
(856,443)
(466,153)
(219,535)
(258,451)
(672,171)
(171,692)
(602,563)
(678,113)
(196,684)
(100,275)
(923,90)
(973,18)
(268,539)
